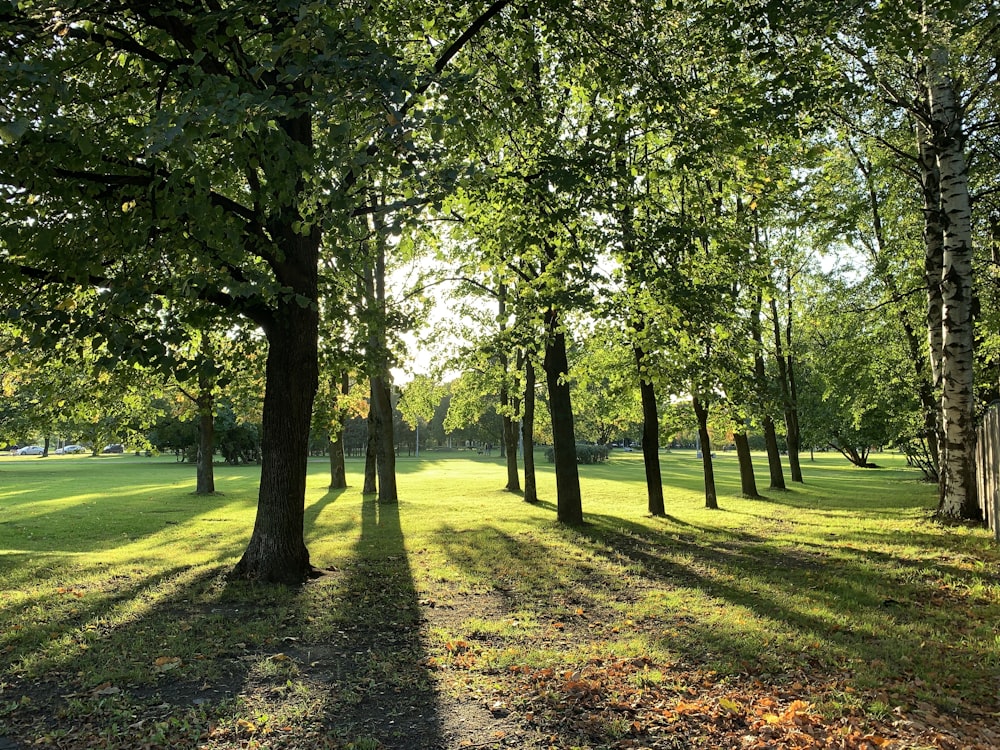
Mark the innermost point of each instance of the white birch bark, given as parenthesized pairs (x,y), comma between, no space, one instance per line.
(958,487)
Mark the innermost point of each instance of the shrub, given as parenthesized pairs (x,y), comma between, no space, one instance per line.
(585,454)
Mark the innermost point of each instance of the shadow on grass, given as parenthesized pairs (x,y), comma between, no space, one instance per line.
(742,606)
(368,645)
(827,610)
(180,658)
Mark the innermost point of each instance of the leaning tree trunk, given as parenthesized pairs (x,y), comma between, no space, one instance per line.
(277,552)
(568,499)
(748,482)
(528,431)
(701,412)
(958,477)
(650,438)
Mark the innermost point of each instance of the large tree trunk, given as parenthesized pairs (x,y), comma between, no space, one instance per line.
(701,412)
(650,438)
(338,470)
(958,477)
(568,500)
(277,552)
(528,431)
(206,443)
(748,482)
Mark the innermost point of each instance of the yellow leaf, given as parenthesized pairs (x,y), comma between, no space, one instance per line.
(729,705)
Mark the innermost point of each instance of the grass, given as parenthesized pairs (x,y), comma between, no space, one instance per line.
(838,606)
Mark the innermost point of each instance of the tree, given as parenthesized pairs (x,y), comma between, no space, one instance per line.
(155,153)
(935,64)
(418,403)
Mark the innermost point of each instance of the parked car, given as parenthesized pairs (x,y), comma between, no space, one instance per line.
(114,448)
(29,450)
(72,448)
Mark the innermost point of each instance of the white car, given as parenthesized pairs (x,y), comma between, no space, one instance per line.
(72,449)
(29,450)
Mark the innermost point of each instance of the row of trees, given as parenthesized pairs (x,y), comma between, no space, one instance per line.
(178,176)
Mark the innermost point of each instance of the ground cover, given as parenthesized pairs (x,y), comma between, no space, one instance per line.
(833,615)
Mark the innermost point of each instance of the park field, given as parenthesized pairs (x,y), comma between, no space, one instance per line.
(836,614)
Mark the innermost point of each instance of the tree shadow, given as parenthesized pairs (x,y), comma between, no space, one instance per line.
(339,660)
(372,653)
(734,604)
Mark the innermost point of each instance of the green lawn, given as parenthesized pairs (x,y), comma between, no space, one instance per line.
(836,612)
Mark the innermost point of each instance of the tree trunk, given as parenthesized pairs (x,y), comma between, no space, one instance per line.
(371,451)
(775,470)
(701,411)
(385,450)
(528,432)
(958,477)
(568,500)
(338,468)
(206,443)
(748,482)
(277,552)
(510,446)
(774,467)
(794,438)
(508,443)
(650,438)
(45,446)
(790,411)
(929,405)
(385,441)
(338,471)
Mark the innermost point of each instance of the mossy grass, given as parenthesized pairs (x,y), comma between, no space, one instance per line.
(113,599)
